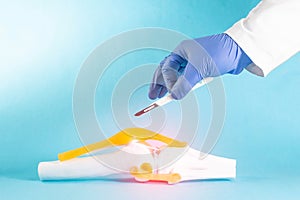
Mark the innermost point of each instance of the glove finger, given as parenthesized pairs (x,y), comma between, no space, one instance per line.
(186,82)
(162,92)
(170,69)
(155,91)
(157,78)
(157,82)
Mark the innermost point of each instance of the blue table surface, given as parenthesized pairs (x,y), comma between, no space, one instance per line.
(273,187)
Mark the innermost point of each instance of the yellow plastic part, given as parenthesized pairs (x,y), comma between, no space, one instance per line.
(145,174)
(121,138)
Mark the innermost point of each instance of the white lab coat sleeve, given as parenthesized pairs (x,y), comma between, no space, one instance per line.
(269,35)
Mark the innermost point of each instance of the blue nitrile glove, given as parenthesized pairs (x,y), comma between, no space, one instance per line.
(193,60)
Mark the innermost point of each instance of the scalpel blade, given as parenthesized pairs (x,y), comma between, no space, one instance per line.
(168,98)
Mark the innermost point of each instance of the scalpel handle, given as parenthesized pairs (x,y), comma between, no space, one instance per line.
(169,98)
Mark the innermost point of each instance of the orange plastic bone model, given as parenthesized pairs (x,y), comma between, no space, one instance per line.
(123,137)
(145,173)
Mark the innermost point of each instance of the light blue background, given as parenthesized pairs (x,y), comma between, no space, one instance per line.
(42,46)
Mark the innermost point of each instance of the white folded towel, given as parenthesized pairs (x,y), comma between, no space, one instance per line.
(119,163)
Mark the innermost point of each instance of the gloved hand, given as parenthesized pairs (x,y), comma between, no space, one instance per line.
(193,60)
